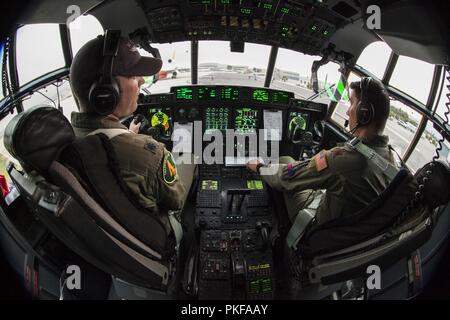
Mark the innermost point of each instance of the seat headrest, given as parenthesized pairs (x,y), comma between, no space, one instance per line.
(437,188)
(36,137)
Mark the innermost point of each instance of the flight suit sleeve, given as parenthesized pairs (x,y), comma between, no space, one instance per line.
(316,173)
(170,190)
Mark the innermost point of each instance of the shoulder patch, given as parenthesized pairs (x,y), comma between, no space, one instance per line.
(321,161)
(169,169)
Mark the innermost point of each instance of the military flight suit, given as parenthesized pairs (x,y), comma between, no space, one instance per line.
(146,166)
(351,181)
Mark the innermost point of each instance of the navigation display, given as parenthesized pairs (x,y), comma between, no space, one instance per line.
(297,119)
(246,120)
(207,93)
(229,94)
(184,93)
(260,95)
(216,118)
(160,116)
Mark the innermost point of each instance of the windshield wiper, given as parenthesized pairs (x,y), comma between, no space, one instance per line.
(315,95)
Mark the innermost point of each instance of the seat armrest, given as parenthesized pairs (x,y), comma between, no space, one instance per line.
(337,267)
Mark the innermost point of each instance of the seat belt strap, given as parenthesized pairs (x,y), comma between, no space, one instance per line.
(302,220)
(175,224)
(176,227)
(387,168)
(110,132)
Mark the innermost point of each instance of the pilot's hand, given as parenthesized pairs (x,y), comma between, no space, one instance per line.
(134,127)
(136,124)
(252,165)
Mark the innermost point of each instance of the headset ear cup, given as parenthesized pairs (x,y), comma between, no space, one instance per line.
(365,113)
(104,97)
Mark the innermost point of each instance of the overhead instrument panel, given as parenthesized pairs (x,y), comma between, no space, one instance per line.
(302,25)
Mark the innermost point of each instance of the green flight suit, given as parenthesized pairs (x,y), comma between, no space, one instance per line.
(350,181)
(146,166)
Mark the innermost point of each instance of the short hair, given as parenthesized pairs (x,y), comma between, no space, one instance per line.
(376,94)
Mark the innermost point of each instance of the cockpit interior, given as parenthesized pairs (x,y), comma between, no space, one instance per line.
(273,73)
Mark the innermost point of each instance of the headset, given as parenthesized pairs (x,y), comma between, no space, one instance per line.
(365,111)
(104,93)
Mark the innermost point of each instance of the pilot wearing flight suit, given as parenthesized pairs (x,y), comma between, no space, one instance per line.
(149,170)
(341,178)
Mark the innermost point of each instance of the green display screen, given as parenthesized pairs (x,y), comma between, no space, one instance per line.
(210,185)
(260,95)
(229,94)
(207,93)
(255,184)
(184,93)
(246,120)
(216,118)
(297,119)
(280,97)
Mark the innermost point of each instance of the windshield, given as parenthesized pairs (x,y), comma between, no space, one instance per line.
(176,68)
(293,73)
(218,65)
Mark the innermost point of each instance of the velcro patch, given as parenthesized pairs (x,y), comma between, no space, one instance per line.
(169,169)
(151,147)
(321,161)
(293,169)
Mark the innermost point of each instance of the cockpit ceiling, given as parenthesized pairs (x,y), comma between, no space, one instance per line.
(413,28)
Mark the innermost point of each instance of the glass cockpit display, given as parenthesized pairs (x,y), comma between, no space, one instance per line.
(216,118)
(246,120)
(260,95)
(297,119)
(160,117)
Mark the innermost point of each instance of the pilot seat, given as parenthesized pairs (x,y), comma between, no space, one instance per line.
(392,227)
(74,187)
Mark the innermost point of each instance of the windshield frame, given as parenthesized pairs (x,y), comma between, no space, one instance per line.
(7,103)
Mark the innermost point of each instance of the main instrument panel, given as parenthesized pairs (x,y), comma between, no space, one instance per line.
(243,109)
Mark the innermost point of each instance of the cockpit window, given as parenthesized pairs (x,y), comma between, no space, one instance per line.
(376,66)
(39,51)
(413,77)
(340,112)
(426,148)
(176,68)
(218,65)
(57,94)
(293,73)
(401,128)
(5,156)
(83,29)
(443,99)
(2,55)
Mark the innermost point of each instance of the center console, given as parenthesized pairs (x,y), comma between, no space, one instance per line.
(234,215)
